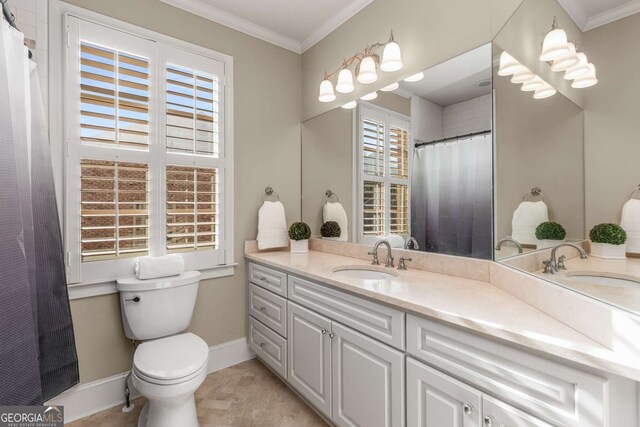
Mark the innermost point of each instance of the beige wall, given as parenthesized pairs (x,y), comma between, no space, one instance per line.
(267,100)
(393,102)
(429,32)
(539,143)
(612,119)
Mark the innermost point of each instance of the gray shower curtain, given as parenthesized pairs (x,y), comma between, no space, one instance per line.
(451,197)
(37,350)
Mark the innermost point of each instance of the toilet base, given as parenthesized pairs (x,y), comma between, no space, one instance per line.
(159,415)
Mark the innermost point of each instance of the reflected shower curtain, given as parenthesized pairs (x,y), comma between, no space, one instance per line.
(451,197)
(37,350)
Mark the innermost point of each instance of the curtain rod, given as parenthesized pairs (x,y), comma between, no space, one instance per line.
(11,19)
(420,143)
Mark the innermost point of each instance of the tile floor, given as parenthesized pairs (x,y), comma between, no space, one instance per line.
(244,395)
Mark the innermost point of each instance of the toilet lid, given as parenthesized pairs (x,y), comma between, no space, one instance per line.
(172,357)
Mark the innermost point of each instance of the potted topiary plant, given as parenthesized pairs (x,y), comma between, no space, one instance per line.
(330,230)
(608,241)
(549,234)
(299,233)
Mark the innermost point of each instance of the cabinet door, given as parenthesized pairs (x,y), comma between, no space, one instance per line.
(368,381)
(499,414)
(435,399)
(310,356)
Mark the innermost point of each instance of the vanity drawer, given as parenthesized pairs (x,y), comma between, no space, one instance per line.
(555,392)
(383,323)
(270,347)
(268,308)
(272,280)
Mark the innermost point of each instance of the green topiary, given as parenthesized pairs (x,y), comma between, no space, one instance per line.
(299,231)
(330,229)
(612,234)
(550,231)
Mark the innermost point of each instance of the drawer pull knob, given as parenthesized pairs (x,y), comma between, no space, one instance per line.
(332,334)
(467,408)
(489,420)
(263,308)
(262,344)
(323,330)
(262,279)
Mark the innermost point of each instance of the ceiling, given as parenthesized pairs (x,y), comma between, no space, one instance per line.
(455,80)
(292,24)
(590,14)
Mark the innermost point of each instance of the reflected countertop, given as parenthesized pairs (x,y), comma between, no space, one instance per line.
(472,304)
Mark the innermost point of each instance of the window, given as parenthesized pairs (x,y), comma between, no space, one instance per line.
(384,154)
(147,170)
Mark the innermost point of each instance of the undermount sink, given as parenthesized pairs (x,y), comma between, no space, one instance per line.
(364,272)
(603,279)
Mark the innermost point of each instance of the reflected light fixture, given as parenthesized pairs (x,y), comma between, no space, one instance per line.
(533,84)
(349,105)
(415,78)
(565,62)
(586,80)
(392,86)
(326,91)
(345,81)
(509,65)
(555,44)
(369,96)
(581,68)
(522,76)
(545,91)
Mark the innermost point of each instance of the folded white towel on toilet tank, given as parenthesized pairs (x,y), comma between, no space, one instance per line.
(162,266)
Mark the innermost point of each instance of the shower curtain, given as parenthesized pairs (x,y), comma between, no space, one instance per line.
(37,350)
(451,197)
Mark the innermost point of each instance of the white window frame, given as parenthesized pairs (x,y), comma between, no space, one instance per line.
(389,118)
(102,274)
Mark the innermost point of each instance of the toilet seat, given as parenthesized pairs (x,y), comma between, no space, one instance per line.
(171,360)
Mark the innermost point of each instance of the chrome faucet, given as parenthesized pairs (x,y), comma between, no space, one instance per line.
(552,266)
(508,239)
(411,240)
(374,252)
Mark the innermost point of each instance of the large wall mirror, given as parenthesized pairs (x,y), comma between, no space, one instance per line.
(412,166)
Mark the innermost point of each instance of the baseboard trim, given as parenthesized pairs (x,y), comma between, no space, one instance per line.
(87,399)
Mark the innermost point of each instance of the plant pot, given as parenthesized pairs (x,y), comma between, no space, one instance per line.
(607,251)
(330,238)
(300,246)
(547,243)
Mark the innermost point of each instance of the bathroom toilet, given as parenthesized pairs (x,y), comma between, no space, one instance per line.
(168,366)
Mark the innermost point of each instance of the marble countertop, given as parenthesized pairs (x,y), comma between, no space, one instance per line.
(472,304)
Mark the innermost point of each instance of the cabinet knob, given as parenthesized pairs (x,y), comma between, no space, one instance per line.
(323,330)
(331,334)
(262,344)
(263,308)
(467,408)
(489,420)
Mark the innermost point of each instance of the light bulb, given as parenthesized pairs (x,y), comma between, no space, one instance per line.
(392,86)
(581,68)
(369,96)
(555,45)
(522,76)
(326,91)
(345,81)
(367,72)
(391,58)
(534,84)
(349,105)
(567,61)
(545,91)
(509,65)
(415,78)
(586,80)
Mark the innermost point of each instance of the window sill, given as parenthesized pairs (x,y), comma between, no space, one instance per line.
(86,290)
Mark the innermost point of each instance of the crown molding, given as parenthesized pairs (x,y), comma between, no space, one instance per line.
(332,24)
(234,22)
(614,14)
(576,12)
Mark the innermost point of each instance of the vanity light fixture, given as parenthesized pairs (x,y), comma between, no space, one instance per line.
(555,44)
(415,78)
(586,80)
(545,91)
(349,105)
(565,62)
(366,64)
(509,65)
(534,84)
(522,76)
(369,96)
(581,68)
(392,86)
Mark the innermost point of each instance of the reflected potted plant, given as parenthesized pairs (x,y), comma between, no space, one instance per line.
(549,234)
(299,233)
(330,230)
(608,241)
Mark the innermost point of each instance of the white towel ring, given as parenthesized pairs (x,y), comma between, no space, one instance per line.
(268,192)
(635,190)
(328,195)
(531,195)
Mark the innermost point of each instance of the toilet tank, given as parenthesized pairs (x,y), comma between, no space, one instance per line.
(159,307)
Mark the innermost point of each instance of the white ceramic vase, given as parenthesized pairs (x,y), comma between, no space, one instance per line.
(607,251)
(299,246)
